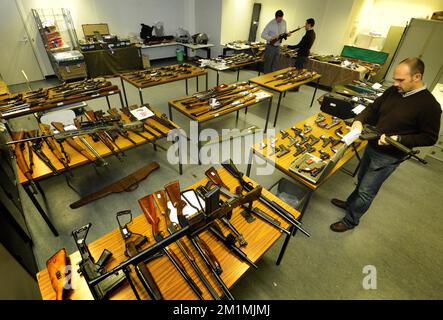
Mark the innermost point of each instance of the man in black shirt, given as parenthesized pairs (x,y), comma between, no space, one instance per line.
(305,44)
(409,114)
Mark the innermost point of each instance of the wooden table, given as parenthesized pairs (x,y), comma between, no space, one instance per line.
(261,80)
(283,163)
(41,171)
(260,237)
(236,67)
(177,105)
(195,73)
(104,92)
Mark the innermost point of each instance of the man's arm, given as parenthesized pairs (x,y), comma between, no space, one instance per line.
(267,33)
(370,114)
(429,128)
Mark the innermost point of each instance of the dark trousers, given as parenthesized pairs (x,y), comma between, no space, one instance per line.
(272,58)
(375,168)
(300,62)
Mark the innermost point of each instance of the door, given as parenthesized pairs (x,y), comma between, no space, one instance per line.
(16,52)
(254,22)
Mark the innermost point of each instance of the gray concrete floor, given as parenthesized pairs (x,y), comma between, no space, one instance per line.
(401,235)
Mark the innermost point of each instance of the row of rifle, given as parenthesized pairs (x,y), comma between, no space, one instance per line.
(291,76)
(159,74)
(303,142)
(213,205)
(55,95)
(106,129)
(233,60)
(220,98)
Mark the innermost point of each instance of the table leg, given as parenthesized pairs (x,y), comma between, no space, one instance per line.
(199,144)
(196,81)
(268,114)
(353,173)
(180,166)
(40,210)
(121,100)
(278,108)
(107,101)
(315,91)
(236,119)
(208,53)
(248,168)
(218,77)
(124,91)
(140,92)
(170,111)
(186,85)
(206,81)
(238,74)
(293,229)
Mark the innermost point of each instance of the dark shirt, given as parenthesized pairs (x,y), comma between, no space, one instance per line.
(415,119)
(305,44)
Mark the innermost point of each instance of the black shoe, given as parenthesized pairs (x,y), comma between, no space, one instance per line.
(340,227)
(339,203)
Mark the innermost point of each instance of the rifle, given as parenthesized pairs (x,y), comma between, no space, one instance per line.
(66,136)
(211,261)
(128,183)
(298,78)
(61,156)
(104,136)
(149,210)
(247,186)
(124,133)
(59,270)
(141,269)
(372,133)
(36,147)
(283,36)
(92,270)
(163,119)
(21,162)
(146,127)
(191,228)
(161,201)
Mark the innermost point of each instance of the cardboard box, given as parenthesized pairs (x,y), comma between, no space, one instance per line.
(73,71)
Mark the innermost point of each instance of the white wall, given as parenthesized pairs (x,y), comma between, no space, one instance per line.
(123,17)
(208,20)
(331,20)
(379,15)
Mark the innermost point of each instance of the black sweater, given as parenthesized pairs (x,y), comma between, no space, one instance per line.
(305,44)
(415,119)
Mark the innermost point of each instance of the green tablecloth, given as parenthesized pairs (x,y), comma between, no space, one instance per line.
(107,62)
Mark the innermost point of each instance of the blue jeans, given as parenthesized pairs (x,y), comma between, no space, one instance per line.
(375,168)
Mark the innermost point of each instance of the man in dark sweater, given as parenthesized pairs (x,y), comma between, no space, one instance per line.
(409,114)
(305,44)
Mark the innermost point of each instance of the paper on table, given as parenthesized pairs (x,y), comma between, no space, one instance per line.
(359,108)
(376,86)
(188,210)
(261,95)
(351,136)
(70,127)
(142,113)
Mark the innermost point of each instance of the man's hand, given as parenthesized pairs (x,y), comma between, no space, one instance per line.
(382,141)
(357,125)
(289,34)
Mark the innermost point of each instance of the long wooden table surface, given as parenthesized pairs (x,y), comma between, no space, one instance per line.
(260,80)
(41,171)
(236,66)
(178,105)
(283,163)
(111,90)
(196,72)
(259,235)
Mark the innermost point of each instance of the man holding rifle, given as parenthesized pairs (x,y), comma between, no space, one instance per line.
(272,32)
(406,113)
(305,44)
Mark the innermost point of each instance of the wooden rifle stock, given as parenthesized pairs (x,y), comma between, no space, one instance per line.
(149,210)
(60,127)
(59,269)
(283,36)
